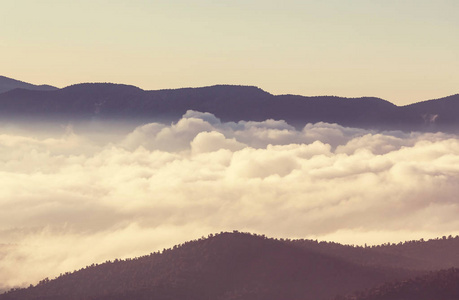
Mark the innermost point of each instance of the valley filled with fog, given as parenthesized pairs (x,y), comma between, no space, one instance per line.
(75,194)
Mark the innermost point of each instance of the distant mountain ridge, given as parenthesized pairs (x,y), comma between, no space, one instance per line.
(106,101)
(246,266)
(8,84)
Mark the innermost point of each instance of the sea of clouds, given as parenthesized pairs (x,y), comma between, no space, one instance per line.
(70,200)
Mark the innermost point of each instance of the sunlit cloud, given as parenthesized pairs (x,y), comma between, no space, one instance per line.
(68,201)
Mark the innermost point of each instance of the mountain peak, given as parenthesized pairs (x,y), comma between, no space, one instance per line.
(97,87)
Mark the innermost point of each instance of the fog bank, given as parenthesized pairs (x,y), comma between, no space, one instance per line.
(70,199)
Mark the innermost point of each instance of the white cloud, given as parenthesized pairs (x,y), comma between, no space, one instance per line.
(67,201)
(212,141)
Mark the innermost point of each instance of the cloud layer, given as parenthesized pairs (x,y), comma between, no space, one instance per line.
(67,201)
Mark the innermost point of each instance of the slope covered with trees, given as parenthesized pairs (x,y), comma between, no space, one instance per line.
(226,266)
(441,285)
(431,255)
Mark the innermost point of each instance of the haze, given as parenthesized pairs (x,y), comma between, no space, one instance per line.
(70,198)
(401,51)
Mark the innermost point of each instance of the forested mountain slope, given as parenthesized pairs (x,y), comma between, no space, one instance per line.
(226,266)
(441,285)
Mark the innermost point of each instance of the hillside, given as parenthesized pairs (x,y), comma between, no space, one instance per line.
(431,255)
(225,266)
(442,285)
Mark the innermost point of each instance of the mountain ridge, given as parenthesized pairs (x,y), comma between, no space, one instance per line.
(230,103)
(76,85)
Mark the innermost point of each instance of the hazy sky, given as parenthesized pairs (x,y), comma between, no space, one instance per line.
(403,51)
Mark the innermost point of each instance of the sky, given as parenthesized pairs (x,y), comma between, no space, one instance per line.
(85,193)
(401,51)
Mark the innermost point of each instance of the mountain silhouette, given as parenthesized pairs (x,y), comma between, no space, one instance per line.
(239,266)
(106,101)
(8,84)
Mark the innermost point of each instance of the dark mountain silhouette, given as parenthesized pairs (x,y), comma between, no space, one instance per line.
(245,266)
(225,266)
(8,84)
(106,101)
(442,285)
